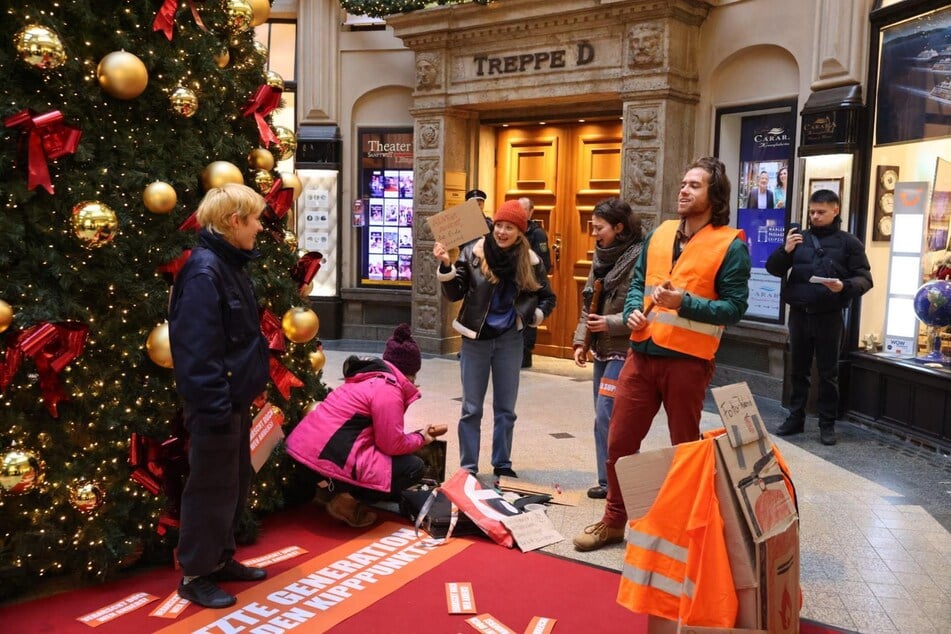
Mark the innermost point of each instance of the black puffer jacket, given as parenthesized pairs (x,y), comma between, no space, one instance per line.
(840,255)
(464,281)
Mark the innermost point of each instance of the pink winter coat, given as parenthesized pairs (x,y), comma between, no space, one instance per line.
(351,435)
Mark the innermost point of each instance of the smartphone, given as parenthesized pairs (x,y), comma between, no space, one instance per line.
(795,227)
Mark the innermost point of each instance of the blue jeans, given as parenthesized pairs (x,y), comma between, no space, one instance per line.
(503,357)
(603,406)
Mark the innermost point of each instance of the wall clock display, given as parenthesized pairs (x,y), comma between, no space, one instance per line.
(884,202)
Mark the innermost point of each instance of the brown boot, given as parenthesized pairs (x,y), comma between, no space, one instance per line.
(345,508)
(597,535)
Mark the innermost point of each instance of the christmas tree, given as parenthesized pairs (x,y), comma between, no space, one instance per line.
(118,116)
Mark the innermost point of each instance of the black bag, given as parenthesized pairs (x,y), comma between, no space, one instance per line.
(437,519)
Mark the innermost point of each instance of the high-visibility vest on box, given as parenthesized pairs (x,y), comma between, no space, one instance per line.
(676,564)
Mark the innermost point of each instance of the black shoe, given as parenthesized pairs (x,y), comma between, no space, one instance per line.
(827,435)
(234,571)
(505,471)
(526,359)
(203,591)
(789,427)
(598,493)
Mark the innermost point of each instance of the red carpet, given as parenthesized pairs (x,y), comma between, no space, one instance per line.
(511,586)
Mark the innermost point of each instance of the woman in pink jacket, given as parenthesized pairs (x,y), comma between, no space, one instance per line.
(355,437)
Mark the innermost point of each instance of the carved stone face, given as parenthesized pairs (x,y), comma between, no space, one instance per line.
(644,41)
(425,73)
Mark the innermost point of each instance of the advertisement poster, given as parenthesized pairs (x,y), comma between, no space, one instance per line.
(766,150)
(386,189)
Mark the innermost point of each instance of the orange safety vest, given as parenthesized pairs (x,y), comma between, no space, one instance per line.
(695,272)
(676,564)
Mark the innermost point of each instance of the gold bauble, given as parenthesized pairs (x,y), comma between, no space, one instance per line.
(6,315)
(261,10)
(20,471)
(39,46)
(159,197)
(85,496)
(94,223)
(263,180)
(317,360)
(286,142)
(223,57)
(184,101)
(300,324)
(290,179)
(290,239)
(306,290)
(260,159)
(274,80)
(261,49)
(220,172)
(122,75)
(158,346)
(240,15)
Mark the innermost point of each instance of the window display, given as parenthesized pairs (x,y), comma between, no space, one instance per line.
(386,188)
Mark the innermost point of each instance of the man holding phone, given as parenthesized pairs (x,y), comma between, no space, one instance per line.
(827,268)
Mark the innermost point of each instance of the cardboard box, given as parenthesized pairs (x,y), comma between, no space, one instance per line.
(761,526)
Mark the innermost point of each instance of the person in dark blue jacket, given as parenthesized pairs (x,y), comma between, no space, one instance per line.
(827,268)
(221,365)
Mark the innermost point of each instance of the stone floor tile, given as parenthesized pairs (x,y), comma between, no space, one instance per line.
(873,622)
(889,590)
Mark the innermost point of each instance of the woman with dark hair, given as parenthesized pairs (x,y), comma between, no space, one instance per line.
(503,288)
(618,242)
(779,192)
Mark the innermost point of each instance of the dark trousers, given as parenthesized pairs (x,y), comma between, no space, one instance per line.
(529,336)
(216,490)
(820,336)
(407,471)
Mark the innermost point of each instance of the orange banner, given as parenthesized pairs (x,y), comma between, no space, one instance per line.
(331,587)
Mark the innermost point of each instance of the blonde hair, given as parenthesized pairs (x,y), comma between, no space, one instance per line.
(525,278)
(220,203)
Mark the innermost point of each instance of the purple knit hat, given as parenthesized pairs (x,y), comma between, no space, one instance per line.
(402,351)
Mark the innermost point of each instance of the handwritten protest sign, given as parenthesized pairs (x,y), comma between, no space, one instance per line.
(458,225)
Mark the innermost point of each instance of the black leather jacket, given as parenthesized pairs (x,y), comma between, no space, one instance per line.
(464,281)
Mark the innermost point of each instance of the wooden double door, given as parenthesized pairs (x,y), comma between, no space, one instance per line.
(566,170)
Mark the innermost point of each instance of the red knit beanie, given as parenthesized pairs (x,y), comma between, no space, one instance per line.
(512,211)
(402,351)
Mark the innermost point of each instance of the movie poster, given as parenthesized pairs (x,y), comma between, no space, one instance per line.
(386,188)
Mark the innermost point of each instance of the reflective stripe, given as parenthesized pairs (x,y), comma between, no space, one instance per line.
(657,544)
(658,581)
(702,327)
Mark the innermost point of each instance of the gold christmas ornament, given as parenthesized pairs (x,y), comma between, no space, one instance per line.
(45,440)
(20,471)
(223,57)
(290,239)
(240,15)
(286,142)
(94,223)
(184,101)
(158,346)
(274,80)
(317,360)
(300,324)
(6,315)
(261,49)
(122,75)
(86,497)
(290,179)
(218,173)
(159,197)
(261,11)
(263,180)
(260,159)
(39,47)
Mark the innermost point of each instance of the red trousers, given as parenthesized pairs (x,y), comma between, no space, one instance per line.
(645,383)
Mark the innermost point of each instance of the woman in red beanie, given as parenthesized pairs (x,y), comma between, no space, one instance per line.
(503,288)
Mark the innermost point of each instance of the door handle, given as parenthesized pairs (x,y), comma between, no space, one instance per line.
(556,248)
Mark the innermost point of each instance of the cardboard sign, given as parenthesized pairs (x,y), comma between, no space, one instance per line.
(558,495)
(540,625)
(458,225)
(488,623)
(117,609)
(459,598)
(532,530)
(266,432)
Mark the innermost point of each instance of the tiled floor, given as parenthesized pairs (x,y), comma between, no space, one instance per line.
(875,511)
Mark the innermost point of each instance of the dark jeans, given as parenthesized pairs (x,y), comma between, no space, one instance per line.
(407,471)
(815,335)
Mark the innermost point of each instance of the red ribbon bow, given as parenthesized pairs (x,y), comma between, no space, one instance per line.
(283,378)
(265,100)
(190,223)
(307,267)
(161,467)
(172,267)
(48,138)
(165,18)
(279,199)
(52,347)
(272,331)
